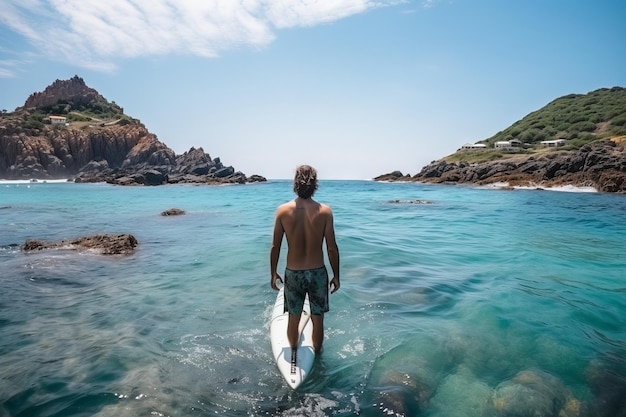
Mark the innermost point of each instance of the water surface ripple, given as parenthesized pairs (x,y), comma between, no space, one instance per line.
(455,301)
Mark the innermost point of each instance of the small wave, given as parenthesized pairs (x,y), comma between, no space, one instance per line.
(563,188)
(36,181)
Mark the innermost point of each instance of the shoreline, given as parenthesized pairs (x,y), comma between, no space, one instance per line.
(36,181)
(569,188)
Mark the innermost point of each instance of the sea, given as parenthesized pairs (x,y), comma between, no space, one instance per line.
(454,301)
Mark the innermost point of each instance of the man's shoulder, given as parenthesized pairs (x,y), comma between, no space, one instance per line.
(324,206)
(285,207)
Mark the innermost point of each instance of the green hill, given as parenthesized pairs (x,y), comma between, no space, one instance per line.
(577,118)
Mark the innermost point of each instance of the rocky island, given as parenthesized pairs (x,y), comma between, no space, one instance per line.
(576,140)
(71,131)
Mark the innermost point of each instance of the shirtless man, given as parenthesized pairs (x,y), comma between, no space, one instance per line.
(306,223)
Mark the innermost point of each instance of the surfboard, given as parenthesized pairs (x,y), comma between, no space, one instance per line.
(294,375)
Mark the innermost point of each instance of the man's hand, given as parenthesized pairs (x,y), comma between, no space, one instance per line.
(275,278)
(334,284)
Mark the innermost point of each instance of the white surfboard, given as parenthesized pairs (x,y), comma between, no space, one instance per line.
(294,375)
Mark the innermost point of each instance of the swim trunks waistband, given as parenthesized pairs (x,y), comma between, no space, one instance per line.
(302,270)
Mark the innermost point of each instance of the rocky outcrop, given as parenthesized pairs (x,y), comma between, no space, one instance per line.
(600,164)
(104,244)
(119,150)
(73,92)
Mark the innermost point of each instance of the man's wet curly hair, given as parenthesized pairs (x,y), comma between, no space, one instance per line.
(305,181)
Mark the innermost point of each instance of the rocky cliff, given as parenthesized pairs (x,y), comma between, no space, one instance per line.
(600,164)
(95,142)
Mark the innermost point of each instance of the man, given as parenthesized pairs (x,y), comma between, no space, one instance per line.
(306,223)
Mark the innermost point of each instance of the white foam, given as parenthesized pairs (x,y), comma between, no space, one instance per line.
(34,181)
(563,188)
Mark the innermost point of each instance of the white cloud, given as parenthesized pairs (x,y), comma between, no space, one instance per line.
(95,34)
(6,71)
(289,13)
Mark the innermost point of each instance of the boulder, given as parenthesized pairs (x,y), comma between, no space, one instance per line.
(173,212)
(393,176)
(105,244)
(154,177)
(256,178)
(530,393)
(224,172)
(608,386)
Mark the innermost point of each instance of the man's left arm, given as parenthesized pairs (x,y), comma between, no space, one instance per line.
(277,240)
(333,251)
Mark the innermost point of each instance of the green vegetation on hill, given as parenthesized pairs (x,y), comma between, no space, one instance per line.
(94,113)
(578,118)
(95,109)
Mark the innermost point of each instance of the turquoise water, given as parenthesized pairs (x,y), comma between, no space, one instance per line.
(457,306)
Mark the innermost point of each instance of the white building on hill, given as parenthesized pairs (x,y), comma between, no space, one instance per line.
(553,143)
(508,144)
(474,146)
(57,120)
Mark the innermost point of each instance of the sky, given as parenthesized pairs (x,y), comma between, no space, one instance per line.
(355,88)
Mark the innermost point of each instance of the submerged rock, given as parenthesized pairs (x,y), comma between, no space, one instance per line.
(173,212)
(403,380)
(104,244)
(608,384)
(530,393)
(410,202)
(462,394)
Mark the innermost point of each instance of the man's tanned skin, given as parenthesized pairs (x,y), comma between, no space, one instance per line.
(306,224)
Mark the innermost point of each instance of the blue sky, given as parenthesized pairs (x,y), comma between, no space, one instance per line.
(356,88)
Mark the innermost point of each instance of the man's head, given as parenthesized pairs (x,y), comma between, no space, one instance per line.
(305,181)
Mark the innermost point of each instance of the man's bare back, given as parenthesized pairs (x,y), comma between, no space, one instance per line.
(304,222)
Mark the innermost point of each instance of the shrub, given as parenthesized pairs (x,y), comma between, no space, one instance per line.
(76,118)
(584,126)
(533,135)
(577,143)
(595,118)
(619,131)
(619,121)
(33,124)
(577,117)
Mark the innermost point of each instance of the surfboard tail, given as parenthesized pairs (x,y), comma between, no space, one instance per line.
(294,361)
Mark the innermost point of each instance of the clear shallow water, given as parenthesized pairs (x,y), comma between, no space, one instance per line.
(459,306)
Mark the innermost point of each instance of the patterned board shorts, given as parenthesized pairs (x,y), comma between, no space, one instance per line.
(298,283)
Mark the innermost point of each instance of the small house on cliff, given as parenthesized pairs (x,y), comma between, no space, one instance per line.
(553,143)
(508,144)
(474,146)
(57,120)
